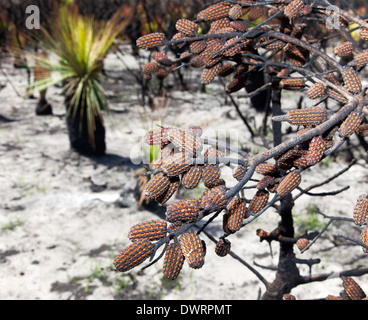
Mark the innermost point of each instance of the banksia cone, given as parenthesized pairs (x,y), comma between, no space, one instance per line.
(275,45)
(215,12)
(268,169)
(161,74)
(236,12)
(289,183)
(364,33)
(333,94)
(265,182)
(157,185)
(259,201)
(210,73)
(151,40)
(256,13)
(192,177)
(136,253)
(173,187)
(236,84)
(344,50)
(295,56)
(302,243)
(351,80)
(150,68)
(197,62)
(173,261)
(288,296)
(237,211)
(198,46)
(364,239)
(214,199)
(157,137)
(292,83)
(226,70)
(362,130)
(239,172)
(316,150)
(361,59)
(361,210)
(240,26)
(330,297)
(223,247)
(186,141)
(151,230)
(218,25)
(316,91)
(332,78)
(176,165)
(187,27)
(211,175)
(294,9)
(308,117)
(184,210)
(352,289)
(192,248)
(351,124)
(196,131)
(233,49)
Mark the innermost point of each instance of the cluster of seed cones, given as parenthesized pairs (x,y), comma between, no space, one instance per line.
(351,291)
(360,217)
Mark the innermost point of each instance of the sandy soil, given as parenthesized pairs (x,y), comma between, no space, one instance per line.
(64,217)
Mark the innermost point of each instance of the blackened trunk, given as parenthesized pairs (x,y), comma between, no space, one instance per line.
(79,138)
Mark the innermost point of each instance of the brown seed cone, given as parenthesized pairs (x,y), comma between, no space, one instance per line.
(187,27)
(151,40)
(308,116)
(259,201)
(223,247)
(167,151)
(215,12)
(295,56)
(288,296)
(178,36)
(317,90)
(176,165)
(352,289)
(219,24)
(214,199)
(157,185)
(317,148)
(213,152)
(330,297)
(236,84)
(210,73)
(265,182)
(192,248)
(364,33)
(292,83)
(226,70)
(333,94)
(233,50)
(268,169)
(239,172)
(161,74)
(237,211)
(256,13)
(332,78)
(173,261)
(198,46)
(302,243)
(151,230)
(364,238)
(351,80)
(192,177)
(186,141)
(157,56)
(294,9)
(236,12)
(345,49)
(361,210)
(275,45)
(150,68)
(175,226)
(211,175)
(183,210)
(196,131)
(197,62)
(157,137)
(136,253)
(351,124)
(289,183)
(240,26)
(362,130)
(173,187)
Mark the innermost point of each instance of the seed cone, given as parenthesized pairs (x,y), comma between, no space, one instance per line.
(364,239)
(223,247)
(316,91)
(351,80)
(333,94)
(156,186)
(187,27)
(192,248)
(240,26)
(316,150)
(184,210)
(268,169)
(259,201)
(256,13)
(215,11)
(236,12)
(361,59)
(157,137)
(239,172)
(289,183)
(186,141)
(136,253)
(364,33)
(237,211)
(345,49)
(352,289)
(151,230)
(214,199)
(197,46)
(302,243)
(173,187)
(173,261)
(175,165)
(361,210)
(351,124)
(308,117)
(151,40)
(294,9)
(295,56)
(292,84)
(211,175)
(192,177)
(210,73)
(150,68)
